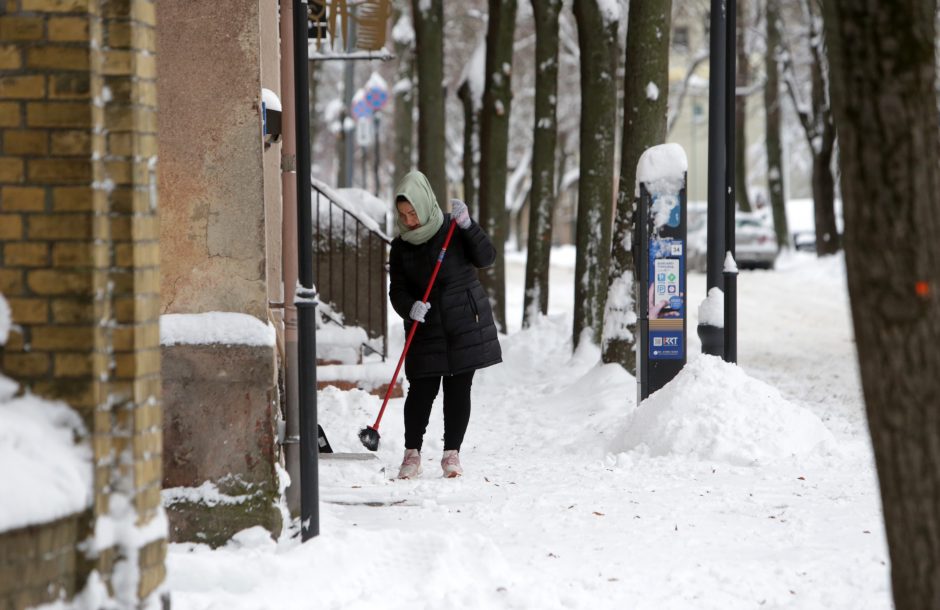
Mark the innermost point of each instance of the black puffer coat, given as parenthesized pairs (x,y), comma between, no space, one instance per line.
(458,334)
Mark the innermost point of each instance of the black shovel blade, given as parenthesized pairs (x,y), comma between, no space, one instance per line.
(369,437)
(322,441)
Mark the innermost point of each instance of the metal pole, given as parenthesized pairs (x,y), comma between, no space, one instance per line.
(711,336)
(348,87)
(289,256)
(375,133)
(364,152)
(730,275)
(306,292)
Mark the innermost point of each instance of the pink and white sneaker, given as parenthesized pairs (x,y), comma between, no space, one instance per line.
(410,465)
(450,463)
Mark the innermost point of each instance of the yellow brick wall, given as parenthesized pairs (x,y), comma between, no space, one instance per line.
(79,251)
(39,564)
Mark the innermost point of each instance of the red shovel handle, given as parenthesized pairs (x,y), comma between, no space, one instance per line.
(414,324)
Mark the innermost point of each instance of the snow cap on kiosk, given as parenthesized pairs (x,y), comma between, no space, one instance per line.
(417,190)
(661,168)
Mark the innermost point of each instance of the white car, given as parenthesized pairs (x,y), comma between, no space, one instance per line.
(755,242)
(754,237)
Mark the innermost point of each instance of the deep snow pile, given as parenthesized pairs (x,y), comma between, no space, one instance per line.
(714,411)
(45,454)
(733,487)
(46,460)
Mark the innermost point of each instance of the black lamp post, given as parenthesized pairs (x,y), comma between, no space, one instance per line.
(730,271)
(721,341)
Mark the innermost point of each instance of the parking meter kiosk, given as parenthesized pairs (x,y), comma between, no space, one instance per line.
(661,291)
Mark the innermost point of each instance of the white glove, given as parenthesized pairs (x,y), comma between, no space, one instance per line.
(460,213)
(419,310)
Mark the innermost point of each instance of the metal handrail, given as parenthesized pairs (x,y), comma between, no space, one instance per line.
(346,273)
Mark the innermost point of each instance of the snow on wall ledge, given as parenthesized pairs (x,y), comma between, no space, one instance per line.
(215,327)
(714,411)
(46,457)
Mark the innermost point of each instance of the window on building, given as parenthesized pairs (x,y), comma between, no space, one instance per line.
(680,37)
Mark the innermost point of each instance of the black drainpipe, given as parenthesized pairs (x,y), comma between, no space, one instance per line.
(306,296)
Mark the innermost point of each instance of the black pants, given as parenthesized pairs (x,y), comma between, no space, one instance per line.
(421,395)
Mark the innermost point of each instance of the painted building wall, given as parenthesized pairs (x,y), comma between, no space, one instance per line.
(220,242)
(212,182)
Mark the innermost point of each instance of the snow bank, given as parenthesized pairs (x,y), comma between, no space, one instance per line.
(340,344)
(227,328)
(351,567)
(322,215)
(713,410)
(46,457)
(366,202)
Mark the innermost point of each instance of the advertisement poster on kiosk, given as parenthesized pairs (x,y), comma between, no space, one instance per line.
(666,273)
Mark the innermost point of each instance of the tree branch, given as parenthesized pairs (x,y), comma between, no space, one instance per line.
(683,89)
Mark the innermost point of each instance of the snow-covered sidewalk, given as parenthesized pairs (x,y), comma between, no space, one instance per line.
(732,488)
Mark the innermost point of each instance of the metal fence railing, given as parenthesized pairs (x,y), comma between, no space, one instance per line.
(350,269)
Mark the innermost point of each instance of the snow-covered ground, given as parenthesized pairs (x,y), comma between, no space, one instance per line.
(733,487)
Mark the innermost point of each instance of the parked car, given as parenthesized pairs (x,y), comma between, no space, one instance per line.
(804,241)
(696,236)
(755,241)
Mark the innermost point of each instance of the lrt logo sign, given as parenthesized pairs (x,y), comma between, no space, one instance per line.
(666,346)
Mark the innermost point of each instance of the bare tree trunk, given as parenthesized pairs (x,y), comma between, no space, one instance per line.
(828,240)
(772,121)
(742,80)
(429,49)
(820,134)
(883,75)
(824,193)
(543,160)
(471,151)
(645,97)
(597,37)
(494,142)
(403,34)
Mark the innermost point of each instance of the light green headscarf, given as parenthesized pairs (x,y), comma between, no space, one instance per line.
(417,190)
